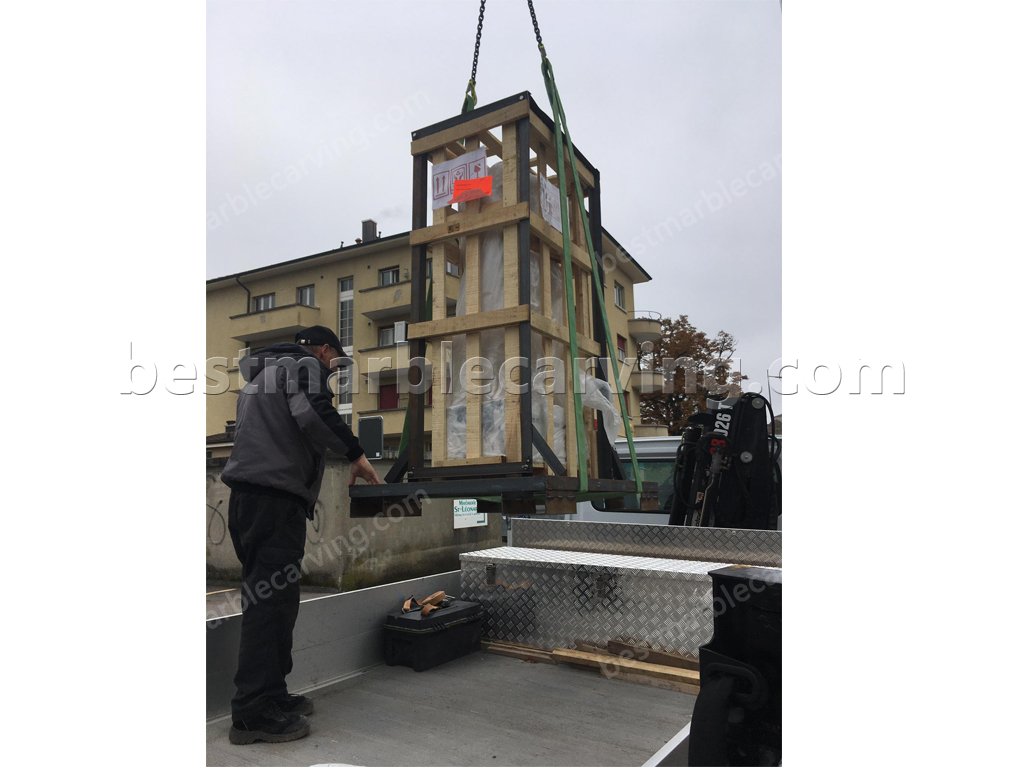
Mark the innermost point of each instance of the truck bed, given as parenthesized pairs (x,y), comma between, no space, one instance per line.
(482,709)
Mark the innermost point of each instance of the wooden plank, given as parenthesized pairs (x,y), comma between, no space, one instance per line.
(474,432)
(611,672)
(471,274)
(438,215)
(572,462)
(548,327)
(522,646)
(439,409)
(639,653)
(480,321)
(515,651)
(656,682)
(540,128)
(589,414)
(590,647)
(467,223)
(471,462)
(471,207)
(510,282)
(585,326)
(549,401)
(553,237)
(509,166)
(545,280)
(610,663)
(439,304)
(513,401)
(494,146)
(472,127)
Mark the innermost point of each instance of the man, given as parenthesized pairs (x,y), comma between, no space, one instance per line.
(285,424)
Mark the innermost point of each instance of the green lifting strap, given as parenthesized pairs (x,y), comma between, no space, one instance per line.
(469,103)
(570,303)
(561,127)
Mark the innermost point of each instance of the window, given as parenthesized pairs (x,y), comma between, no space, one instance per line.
(620,344)
(304,296)
(263,303)
(620,296)
(389,276)
(386,336)
(345,386)
(387,397)
(345,303)
(451,268)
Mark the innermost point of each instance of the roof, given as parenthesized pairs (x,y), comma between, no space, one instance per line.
(352,251)
(305,261)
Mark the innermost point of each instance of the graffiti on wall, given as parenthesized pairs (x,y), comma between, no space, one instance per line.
(216,522)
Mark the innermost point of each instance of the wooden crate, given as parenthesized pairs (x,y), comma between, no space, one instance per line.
(530,323)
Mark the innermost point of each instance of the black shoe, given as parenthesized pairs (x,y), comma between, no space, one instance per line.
(293,704)
(269,725)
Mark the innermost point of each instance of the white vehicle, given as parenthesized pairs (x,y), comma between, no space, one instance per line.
(656,457)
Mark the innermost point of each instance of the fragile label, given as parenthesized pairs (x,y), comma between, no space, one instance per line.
(471,189)
(550,204)
(443,176)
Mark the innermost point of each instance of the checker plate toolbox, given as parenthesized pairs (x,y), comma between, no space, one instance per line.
(547,597)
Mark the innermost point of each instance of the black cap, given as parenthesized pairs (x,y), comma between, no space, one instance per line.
(316,335)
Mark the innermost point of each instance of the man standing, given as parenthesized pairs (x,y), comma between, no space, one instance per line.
(285,424)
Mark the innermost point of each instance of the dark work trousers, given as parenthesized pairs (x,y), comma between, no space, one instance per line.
(269,533)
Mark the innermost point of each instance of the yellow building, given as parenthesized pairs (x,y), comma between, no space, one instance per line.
(363,292)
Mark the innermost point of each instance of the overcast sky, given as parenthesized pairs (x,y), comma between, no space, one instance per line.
(310,106)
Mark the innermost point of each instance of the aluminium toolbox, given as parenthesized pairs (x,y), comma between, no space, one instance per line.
(549,598)
(421,643)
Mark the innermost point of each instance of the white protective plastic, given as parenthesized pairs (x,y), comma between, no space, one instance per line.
(492,343)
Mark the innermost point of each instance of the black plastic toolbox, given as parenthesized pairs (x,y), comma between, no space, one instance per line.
(421,643)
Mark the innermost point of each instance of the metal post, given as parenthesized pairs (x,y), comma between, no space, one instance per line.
(525,334)
(418,347)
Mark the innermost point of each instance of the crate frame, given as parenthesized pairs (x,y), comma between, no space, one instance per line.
(514,477)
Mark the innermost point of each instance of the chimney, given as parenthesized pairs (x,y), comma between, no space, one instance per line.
(369,230)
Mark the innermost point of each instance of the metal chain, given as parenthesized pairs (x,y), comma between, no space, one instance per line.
(536,27)
(479,32)
(470,100)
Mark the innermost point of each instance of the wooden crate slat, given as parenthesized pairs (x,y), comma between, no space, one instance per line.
(466,223)
(450,326)
(472,127)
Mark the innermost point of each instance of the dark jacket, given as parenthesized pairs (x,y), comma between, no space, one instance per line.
(285,424)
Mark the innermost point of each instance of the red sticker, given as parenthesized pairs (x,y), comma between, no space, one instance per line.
(471,189)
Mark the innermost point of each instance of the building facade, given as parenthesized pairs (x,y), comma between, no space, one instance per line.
(363,292)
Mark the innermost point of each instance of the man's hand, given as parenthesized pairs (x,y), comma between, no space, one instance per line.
(361,467)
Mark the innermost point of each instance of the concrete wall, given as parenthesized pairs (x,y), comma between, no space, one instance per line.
(351,553)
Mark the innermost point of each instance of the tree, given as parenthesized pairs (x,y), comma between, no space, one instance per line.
(694,365)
